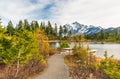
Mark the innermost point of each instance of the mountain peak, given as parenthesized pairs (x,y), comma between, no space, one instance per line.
(77,28)
(75,22)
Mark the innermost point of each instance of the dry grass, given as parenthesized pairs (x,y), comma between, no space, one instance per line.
(71,61)
(8,72)
(80,71)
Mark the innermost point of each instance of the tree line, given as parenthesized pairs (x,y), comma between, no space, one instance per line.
(55,32)
(112,36)
(52,32)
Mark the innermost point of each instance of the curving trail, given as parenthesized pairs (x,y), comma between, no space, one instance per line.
(56,68)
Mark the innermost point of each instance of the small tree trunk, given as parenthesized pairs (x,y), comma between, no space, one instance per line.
(18,65)
(10,34)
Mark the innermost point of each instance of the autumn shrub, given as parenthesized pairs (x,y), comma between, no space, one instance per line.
(80,52)
(109,67)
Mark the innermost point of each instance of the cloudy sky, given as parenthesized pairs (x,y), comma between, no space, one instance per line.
(105,13)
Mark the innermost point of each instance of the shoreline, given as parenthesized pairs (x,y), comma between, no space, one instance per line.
(96,42)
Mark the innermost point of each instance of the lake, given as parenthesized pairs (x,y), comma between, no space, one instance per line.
(111,48)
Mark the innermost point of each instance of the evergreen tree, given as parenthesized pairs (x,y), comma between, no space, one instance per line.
(10,28)
(32,25)
(50,29)
(42,26)
(60,32)
(65,30)
(47,30)
(27,25)
(6,56)
(96,36)
(102,34)
(55,30)
(36,25)
(20,25)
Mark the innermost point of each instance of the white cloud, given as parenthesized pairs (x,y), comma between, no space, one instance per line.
(16,10)
(104,13)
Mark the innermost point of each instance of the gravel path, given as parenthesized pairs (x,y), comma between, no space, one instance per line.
(56,68)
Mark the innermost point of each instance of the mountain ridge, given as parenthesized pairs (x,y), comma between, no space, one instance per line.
(78,28)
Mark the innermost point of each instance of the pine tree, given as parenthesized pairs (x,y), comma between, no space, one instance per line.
(102,35)
(6,55)
(26,24)
(36,25)
(42,26)
(65,30)
(47,30)
(96,36)
(55,30)
(60,32)
(50,31)
(20,25)
(10,28)
(33,25)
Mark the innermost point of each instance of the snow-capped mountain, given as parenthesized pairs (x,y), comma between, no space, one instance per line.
(77,28)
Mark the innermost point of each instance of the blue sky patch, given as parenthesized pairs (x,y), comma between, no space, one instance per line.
(34,1)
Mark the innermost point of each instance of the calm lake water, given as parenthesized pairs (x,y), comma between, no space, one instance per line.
(111,48)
